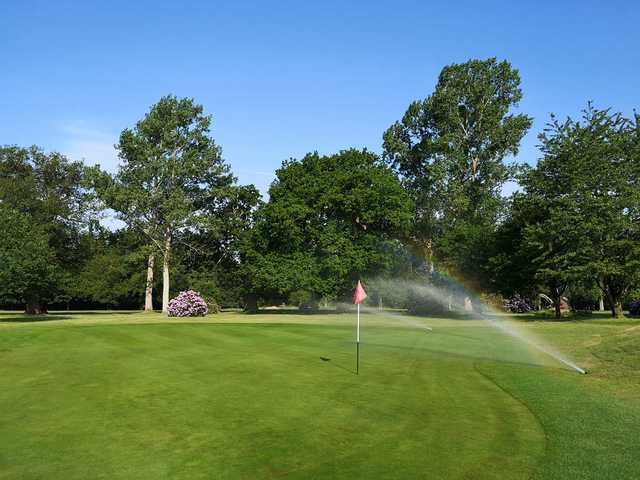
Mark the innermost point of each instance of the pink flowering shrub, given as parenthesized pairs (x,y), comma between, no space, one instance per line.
(187,304)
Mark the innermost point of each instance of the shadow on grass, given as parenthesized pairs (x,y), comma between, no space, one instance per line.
(19,317)
(593,316)
(24,318)
(100,312)
(333,364)
(292,311)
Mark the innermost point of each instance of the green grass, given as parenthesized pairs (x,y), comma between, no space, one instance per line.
(129,395)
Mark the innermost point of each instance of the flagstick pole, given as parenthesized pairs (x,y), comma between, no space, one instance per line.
(358,342)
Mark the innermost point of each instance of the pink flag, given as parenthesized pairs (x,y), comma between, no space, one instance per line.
(359,295)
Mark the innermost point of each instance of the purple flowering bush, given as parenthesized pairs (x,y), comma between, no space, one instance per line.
(187,304)
(518,304)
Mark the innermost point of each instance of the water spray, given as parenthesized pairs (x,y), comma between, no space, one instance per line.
(548,351)
(403,318)
(440,297)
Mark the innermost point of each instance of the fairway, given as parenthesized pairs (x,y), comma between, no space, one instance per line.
(100,395)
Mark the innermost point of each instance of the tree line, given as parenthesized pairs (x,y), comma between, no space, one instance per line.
(429,209)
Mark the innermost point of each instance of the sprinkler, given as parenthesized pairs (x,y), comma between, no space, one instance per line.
(566,362)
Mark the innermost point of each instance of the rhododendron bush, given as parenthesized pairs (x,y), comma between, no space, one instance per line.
(518,304)
(187,304)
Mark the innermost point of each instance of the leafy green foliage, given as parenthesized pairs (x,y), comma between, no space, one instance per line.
(449,150)
(586,193)
(172,177)
(171,170)
(52,191)
(111,276)
(300,297)
(329,219)
(27,268)
(208,258)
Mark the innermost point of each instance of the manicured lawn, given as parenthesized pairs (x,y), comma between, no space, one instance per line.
(129,395)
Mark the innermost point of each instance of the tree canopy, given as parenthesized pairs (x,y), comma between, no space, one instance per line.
(53,194)
(586,195)
(171,172)
(28,273)
(329,219)
(449,150)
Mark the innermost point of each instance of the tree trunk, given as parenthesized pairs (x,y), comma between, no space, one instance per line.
(34,306)
(615,295)
(474,167)
(148,294)
(557,305)
(165,273)
(251,303)
(616,309)
(468,304)
(429,256)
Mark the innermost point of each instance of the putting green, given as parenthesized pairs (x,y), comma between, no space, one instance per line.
(95,398)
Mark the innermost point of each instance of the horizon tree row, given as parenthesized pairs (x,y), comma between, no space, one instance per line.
(430,208)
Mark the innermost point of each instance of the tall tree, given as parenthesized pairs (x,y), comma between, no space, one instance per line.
(588,187)
(329,219)
(450,150)
(52,192)
(28,271)
(171,170)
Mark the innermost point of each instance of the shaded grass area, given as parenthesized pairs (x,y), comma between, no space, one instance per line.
(238,396)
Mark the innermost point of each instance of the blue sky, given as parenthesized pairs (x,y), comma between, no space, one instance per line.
(285,78)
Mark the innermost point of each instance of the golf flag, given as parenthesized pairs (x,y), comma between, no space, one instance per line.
(359,295)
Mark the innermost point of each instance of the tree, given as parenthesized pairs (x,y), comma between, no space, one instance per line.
(210,256)
(588,186)
(510,263)
(449,150)
(52,191)
(329,220)
(28,270)
(171,171)
(110,275)
(553,241)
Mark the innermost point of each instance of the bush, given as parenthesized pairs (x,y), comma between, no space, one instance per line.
(309,307)
(300,297)
(212,305)
(518,304)
(491,302)
(634,308)
(187,304)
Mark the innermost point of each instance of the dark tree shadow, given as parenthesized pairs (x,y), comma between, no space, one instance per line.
(19,317)
(292,311)
(24,318)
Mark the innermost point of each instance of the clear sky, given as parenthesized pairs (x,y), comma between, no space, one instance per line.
(285,78)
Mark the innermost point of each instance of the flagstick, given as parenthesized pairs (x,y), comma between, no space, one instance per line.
(358,342)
